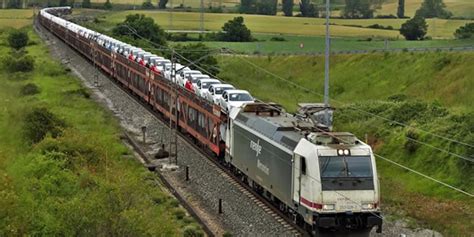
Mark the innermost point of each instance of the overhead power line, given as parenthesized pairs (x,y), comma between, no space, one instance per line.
(391,161)
(357,109)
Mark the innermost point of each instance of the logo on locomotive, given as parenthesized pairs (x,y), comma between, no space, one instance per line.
(256,147)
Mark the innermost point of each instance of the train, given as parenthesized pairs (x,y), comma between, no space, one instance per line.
(323,180)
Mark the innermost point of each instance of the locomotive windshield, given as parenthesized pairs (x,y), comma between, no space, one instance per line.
(345,166)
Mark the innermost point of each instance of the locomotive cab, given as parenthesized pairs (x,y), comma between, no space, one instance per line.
(335,180)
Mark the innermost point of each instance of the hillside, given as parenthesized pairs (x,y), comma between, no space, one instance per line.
(443,77)
(430,92)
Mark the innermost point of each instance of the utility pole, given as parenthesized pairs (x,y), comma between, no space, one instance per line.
(326,69)
(202,16)
(173,103)
(171,15)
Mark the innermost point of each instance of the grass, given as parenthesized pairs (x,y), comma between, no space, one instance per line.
(443,77)
(443,84)
(287,25)
(316,44)
(83,182)
(15,18)
(459,8)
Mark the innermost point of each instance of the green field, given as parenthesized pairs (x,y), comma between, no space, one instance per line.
(438,89)
(313,44)
(82,181)
(459,8)
(15,18)
(187,3)
(288,25)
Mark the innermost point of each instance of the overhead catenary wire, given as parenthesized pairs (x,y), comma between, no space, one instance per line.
(391,161)
(357,109)
(215,76)
(307,90)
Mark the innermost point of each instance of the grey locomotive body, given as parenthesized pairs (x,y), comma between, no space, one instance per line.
(324,180)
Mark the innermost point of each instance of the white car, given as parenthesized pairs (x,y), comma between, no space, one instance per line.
(183,76)
(203,84)
(214,93)
(234,98)
(196,78)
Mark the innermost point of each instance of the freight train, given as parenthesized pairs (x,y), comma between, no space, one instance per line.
(323,180)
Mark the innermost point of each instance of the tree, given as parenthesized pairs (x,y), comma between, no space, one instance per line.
(287,7)
(267,7)
(414,29)
(201,54)
(63,3)
(162,4)
(433,8)
(107,5)
(359,9)
(86,3)
(14,4)
(401,9)
(147,5)
(235,31)
(137,25)
(308,9)
(17,39)
(248,6)
(465,32)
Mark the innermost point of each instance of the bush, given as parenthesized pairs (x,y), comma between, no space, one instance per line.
(277,38)
(147,5)
(191,231)
(391,16)
(397,97)
(180,214)
(39,122)
(414,29)
(235,31)
(410,143)
(80,92)
(86,3)
(407,111)
(29,89)
(465,32)
(433,8)
(107,5)
(377,26)
(20,64)
(18,39)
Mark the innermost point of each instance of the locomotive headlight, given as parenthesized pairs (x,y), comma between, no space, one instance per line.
(367,206)
(346,152)
(340,152)
(328,207)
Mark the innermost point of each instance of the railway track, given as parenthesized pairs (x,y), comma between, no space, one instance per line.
(233,180)
(259,201)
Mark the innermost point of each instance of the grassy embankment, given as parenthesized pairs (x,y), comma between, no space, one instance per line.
(430,91)
(79,179)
